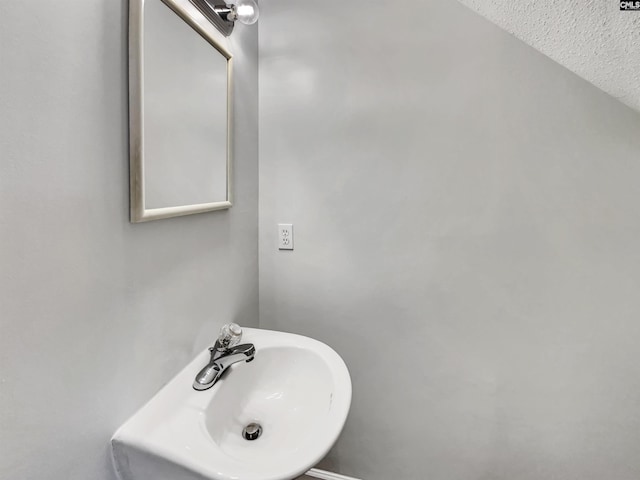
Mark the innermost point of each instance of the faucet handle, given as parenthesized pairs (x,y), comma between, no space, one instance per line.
(230,335)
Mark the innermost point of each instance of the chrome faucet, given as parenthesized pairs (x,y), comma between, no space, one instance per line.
(224,353)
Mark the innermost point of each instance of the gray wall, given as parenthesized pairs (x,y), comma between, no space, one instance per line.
(96,314)
(467,221)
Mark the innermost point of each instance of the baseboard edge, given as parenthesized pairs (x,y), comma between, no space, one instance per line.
(323,475)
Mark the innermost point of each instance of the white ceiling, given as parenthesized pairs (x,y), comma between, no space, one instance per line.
(592,38)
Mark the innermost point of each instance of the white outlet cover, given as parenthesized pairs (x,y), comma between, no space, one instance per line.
(285,236)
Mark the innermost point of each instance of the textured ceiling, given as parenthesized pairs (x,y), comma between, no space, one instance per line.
(592,38)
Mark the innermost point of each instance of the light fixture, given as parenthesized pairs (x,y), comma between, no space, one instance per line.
(224,15)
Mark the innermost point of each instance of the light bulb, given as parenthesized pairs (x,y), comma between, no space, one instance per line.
(247,11)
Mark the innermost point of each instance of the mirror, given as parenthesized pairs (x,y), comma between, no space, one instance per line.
(180,112)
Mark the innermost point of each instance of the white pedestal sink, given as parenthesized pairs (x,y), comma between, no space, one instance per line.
(296,388)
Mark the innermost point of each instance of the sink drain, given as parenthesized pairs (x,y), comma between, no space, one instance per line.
(252,431)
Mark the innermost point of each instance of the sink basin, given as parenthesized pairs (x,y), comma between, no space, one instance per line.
(297,389)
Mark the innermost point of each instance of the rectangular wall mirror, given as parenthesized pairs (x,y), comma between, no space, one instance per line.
(180,109)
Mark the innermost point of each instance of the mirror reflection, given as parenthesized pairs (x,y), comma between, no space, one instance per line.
(182,163)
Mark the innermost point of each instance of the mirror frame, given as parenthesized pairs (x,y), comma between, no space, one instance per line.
(138,211)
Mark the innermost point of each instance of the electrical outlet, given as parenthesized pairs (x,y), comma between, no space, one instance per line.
(285,236)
